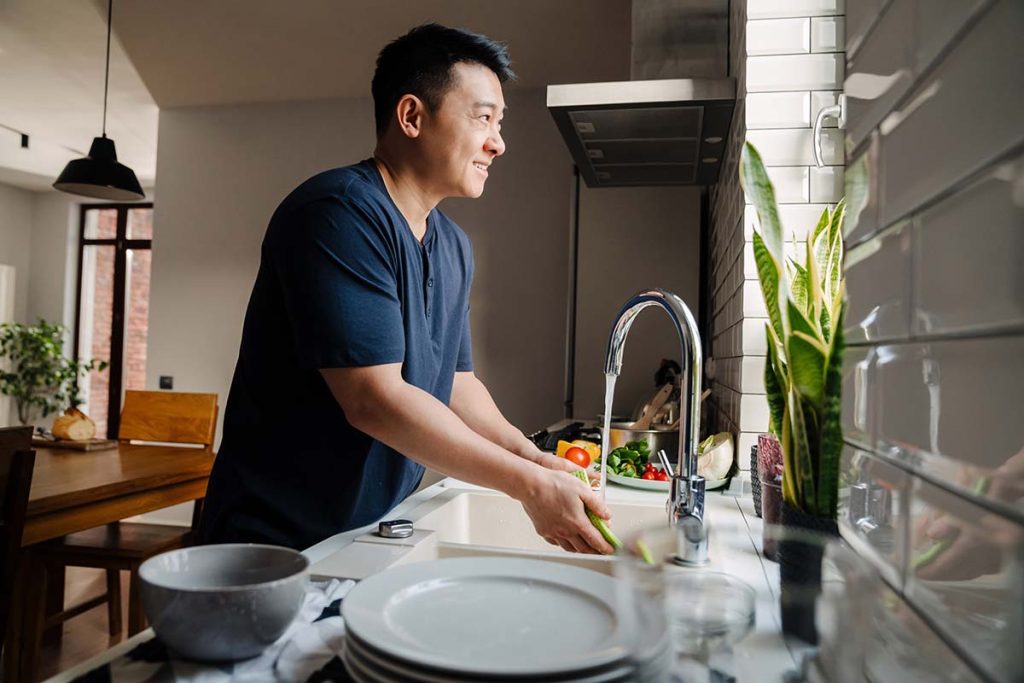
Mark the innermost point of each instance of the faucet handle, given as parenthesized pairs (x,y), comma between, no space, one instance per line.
(686,497)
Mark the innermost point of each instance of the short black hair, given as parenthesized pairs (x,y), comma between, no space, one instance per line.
(420,63)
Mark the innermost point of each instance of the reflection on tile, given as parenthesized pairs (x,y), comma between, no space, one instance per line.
(953,410)
(861,192)
(872,510)
(860,16)
(858,396)
(966,574)
(921,154)
(880,72)
(901,647)
(878,287)
(967,258)
(937,21)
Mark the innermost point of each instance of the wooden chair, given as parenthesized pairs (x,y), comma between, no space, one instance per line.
(150,416)
(16,461)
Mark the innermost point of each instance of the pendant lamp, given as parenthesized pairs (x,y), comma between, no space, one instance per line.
(99,174)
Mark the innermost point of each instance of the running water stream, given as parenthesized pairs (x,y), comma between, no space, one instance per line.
(609,391)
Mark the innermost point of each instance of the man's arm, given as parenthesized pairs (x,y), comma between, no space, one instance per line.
(473,404)
(379,402)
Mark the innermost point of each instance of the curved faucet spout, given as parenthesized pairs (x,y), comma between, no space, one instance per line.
(692,359)
(686,499)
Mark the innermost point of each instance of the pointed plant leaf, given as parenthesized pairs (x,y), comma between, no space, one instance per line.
(831,441)
(803,458)
(807,365)
(798,286)
(757,186)
(769,273)
(774,385)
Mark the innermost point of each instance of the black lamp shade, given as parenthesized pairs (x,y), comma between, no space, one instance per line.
(100,175)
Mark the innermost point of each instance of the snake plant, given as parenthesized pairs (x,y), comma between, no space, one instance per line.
(803,380)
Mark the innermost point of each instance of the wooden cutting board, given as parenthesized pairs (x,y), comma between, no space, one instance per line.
(90,445)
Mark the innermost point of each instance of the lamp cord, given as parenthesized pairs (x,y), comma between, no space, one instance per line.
(106,77)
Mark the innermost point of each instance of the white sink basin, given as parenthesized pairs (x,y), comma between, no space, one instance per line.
(460,523)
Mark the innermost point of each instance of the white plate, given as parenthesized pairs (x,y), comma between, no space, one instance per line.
(478,615)
(648,485)
(383,670)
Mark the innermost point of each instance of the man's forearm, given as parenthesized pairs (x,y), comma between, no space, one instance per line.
(473,404)
(418,425)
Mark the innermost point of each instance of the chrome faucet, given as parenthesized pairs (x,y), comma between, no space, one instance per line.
(686,499)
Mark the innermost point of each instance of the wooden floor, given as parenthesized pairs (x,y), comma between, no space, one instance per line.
(86,635)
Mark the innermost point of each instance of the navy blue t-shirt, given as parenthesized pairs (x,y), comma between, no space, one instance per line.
(342,283)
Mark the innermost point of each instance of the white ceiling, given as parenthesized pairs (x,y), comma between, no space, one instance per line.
(51,86)
(237,51)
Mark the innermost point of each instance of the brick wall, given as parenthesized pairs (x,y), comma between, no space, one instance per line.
(97,308)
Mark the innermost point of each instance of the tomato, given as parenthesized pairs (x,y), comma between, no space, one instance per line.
(650,476)
(578,456)
(661,476)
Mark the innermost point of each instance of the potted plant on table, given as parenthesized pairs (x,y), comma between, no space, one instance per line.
(35,372)
(803,383)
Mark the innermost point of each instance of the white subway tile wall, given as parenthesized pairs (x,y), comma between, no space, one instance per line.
(828,34)
(779,36)
(932,400)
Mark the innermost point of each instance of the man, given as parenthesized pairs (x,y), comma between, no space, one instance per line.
(355,368)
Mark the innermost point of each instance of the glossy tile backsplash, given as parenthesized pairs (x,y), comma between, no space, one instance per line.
(933,405)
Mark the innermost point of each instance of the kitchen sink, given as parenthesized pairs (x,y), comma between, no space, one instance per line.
(460,523)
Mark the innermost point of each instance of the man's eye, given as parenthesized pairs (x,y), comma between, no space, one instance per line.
(485,117)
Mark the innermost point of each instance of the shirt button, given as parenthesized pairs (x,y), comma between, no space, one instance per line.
(428,310)
(430,282)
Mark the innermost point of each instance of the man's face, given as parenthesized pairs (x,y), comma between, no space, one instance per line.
(463,137)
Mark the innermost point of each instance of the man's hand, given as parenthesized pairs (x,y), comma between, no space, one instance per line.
(556,504)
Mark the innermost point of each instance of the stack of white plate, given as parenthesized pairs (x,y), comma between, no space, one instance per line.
(490,618)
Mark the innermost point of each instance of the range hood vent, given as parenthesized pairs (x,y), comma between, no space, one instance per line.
(668,131)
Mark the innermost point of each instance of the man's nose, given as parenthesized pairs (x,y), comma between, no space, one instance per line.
(496,144)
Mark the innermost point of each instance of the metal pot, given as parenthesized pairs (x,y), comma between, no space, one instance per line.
(620,433)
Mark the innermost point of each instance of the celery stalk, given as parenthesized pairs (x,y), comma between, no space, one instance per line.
(598,523)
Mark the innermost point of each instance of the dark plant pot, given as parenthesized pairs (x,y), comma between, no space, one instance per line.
(771,511)
(755,480)
(800,552)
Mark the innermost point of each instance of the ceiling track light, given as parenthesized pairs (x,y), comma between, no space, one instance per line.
(99,174)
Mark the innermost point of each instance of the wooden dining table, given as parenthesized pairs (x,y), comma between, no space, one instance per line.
(77,490)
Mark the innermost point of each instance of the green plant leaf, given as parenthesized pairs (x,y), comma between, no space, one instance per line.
(798,286)
(798,322)
(756,184)
(769,274)
(774,385)
(807,365)
(803,458)
(831,442)
(815,296)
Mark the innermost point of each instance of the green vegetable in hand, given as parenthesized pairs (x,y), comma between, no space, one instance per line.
(598,523)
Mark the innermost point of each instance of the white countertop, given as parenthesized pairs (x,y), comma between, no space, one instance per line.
(735,548)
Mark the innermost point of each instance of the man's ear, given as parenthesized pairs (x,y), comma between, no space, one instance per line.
(409,115)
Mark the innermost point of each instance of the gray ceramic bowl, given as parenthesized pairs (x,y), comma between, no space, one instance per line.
(223,602)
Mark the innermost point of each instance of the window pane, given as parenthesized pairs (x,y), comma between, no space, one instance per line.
(101,224)
(94,328)
(140,224)
(137,318)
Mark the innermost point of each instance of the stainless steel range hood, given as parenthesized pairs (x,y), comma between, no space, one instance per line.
(669,130)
